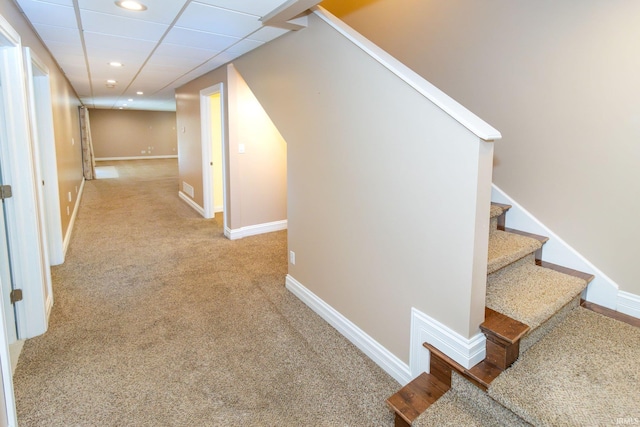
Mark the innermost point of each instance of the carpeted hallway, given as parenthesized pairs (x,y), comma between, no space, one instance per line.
(159,320)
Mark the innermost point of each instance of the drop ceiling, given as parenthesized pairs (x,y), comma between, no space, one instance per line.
(161,48)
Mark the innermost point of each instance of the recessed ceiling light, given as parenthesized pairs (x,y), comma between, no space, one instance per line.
(139,92)
(111,82)
(131,5)
(115,64)
(130,99)
(124,105)
(121,108)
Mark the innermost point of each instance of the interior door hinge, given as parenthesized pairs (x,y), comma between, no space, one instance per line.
(15,296)
(5,192)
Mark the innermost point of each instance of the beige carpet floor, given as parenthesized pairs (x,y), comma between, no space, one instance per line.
(159,320)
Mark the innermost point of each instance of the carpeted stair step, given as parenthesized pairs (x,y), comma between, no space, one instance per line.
(466,405)
(506,248)
(585,372)
(536,296)
(497,214)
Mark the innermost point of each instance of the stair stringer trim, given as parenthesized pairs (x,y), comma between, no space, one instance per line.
(390,363)
(468,352)
(602,290)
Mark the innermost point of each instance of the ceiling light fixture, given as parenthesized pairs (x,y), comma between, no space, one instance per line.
(139,92)
(130,99)
(131,5)
(111,82)
(115,64)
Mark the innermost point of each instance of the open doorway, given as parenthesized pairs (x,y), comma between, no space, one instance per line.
(213,165)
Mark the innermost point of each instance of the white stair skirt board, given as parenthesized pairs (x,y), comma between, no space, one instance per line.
(374,350)
(628,304)
(111,159)
(67,236)
(252,230)
(191,203)
(602,290)
(466,351)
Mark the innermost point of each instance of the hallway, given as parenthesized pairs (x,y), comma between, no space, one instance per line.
(158,319)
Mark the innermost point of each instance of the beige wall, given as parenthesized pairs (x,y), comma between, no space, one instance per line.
(382,186)
(260,178)
(127,133)
(189,130)
(560,81)
(65,115)
(255,180)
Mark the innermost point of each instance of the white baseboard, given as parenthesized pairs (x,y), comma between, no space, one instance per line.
(111,159)
(191,203)
(466,351)
(602,290)
(374,350)
(252,230)
(72,221)
(49,306)
(628,304)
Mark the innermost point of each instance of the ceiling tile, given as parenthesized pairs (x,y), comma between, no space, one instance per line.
(54,34)
(160,11)
(120,26)
(257,8)
(266,34)
(40,12)
(109,46)
(219,21)
(199,39)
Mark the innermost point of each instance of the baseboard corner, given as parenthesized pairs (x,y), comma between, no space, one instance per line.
(390,363)
(189,201)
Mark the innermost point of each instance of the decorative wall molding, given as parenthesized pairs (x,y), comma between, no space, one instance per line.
(196,207)
(374,350)
(72,221)
(252,230)
(110,159)
(466,351)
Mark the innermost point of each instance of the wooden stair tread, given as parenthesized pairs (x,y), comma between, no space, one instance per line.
(481,374)
(503,327)
(541,239)
(415,397)
(568,271)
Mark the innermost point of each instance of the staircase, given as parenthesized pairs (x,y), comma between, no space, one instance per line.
(526,300)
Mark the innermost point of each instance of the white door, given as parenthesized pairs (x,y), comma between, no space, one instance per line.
(5,265)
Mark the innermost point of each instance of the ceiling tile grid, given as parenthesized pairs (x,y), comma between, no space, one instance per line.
(165,46)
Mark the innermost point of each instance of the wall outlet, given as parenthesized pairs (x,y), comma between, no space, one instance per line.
(292,257)
(69,195)
(143,152)
(68,211)
(73,141)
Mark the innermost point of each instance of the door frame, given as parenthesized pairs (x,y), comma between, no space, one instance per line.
(22,218)
(11,65)
(39,91)
(207,151)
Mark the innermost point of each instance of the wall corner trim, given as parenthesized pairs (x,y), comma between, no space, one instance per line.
(191,203)
(374,350)
(72,221)
(466,351)
(252,230)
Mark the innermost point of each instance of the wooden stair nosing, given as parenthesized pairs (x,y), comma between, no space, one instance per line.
(502,326)
(415,397)
(587,277)
(481,374)
(633,321)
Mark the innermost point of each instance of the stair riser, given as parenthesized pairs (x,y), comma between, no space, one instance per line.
(537,334)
